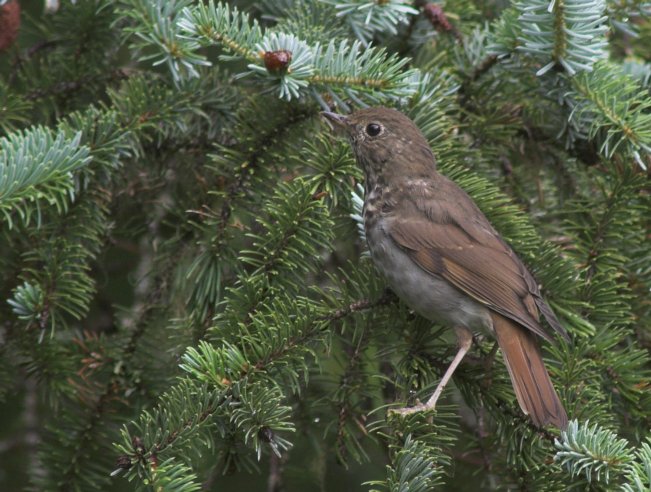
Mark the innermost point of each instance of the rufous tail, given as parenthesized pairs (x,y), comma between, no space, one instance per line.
(533,387)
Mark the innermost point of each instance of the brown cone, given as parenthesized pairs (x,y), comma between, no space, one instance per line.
(9,23)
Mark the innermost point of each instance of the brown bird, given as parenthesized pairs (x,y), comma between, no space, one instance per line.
(441,255)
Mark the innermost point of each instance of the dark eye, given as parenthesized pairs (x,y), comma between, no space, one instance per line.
(373,129)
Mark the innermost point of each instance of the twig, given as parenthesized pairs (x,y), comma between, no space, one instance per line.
(275,480)
(75,85)
(484,66)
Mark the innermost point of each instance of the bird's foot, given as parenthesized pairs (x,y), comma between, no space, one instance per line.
(419,407)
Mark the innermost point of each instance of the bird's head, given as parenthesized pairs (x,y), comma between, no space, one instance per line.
(385,142)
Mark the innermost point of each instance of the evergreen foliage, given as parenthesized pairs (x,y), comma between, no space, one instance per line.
(187,299)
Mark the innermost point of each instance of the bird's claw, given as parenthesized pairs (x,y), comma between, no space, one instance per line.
(419,407)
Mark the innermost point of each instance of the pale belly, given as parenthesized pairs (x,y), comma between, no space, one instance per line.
(427,294)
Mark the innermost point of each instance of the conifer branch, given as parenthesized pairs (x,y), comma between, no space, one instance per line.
(13,109)
(570,32)
(317,68)
(368,17)
(229,371)
(56,282)
(593,451)
(242,162)
(638,473)
(36,168)
(413,468)
(103,384)
(613,110)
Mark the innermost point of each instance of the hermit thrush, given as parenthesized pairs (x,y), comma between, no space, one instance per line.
(440,254)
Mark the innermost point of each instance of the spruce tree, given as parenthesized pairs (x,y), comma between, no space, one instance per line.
(187,300)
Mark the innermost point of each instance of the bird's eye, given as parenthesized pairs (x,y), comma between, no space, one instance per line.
(373,129)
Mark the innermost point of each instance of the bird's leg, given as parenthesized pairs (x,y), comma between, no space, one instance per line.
(490,358)
(464,338)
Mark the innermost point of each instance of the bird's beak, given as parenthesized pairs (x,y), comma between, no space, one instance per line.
(338,122)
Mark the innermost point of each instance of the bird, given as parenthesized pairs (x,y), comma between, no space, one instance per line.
(441,255)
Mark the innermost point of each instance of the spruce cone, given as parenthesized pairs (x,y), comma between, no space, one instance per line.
(9,23)
(277,61)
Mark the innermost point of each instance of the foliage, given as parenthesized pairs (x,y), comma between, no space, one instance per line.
(596,453)
(188,300)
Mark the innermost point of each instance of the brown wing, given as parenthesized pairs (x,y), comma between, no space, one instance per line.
(456,241)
